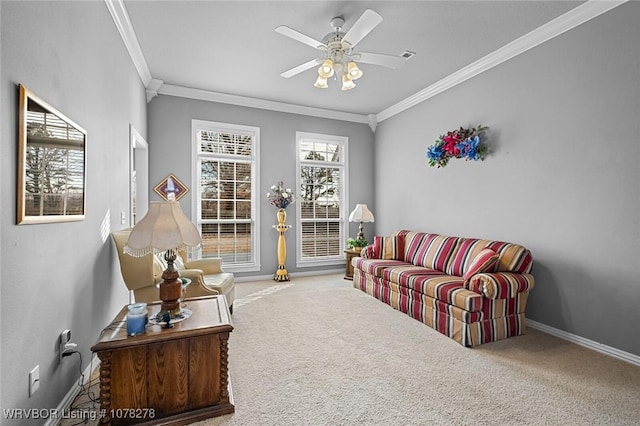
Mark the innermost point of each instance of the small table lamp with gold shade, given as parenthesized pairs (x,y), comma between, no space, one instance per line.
(165,229)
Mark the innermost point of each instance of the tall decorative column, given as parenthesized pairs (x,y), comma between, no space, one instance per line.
(281,197)
(281,274)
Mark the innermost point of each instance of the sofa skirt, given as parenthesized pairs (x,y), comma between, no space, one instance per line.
(499,318)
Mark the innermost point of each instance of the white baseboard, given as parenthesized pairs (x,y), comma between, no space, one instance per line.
(598,347)
(71,395)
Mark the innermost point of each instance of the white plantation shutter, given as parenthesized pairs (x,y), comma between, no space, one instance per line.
(322,196)
(226,200)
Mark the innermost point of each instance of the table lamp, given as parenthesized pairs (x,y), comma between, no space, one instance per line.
(164,229)
(361,214)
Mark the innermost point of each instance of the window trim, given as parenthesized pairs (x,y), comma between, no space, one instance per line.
(343,141)
(198,125)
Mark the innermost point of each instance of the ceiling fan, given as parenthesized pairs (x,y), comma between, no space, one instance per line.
(339,57)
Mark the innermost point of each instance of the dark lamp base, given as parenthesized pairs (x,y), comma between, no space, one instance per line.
(171,290)
(170,294)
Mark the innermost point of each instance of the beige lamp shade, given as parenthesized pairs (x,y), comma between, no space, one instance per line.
(361,214)
(321,83)
(326,69)
(346,83)
(164,227)
(353,71)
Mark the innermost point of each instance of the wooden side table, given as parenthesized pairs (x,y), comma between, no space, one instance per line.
(350,254)
(173,375)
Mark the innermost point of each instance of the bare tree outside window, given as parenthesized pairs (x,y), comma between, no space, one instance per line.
(322,169)
(226,162)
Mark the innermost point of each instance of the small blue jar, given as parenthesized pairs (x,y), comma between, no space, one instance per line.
(137,318)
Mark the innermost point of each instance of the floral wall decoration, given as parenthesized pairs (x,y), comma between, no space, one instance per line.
(280,197)
(461,143)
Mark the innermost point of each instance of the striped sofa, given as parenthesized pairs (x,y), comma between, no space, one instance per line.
(474,291)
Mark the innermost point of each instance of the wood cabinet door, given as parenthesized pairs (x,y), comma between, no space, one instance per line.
(168,365)
(204,371)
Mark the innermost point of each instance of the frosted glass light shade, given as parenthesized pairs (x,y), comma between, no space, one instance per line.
(353,71)
(321,83)
(326,69)
(346,83)
(164,227)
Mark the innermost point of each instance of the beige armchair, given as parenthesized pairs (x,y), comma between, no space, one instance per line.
(142,274)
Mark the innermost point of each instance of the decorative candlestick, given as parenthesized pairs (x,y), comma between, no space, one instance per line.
(281,274)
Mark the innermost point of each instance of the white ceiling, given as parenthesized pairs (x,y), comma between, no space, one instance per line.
(231,47)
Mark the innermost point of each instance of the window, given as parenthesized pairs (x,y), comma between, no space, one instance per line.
(321,230)
(54,165)
(225,184)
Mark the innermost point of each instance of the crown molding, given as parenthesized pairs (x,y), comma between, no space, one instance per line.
(563,23)
(548,31)
(153,87)
(123,23)
(205,95)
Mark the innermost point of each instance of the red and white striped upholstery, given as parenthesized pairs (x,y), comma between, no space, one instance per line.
(474,291)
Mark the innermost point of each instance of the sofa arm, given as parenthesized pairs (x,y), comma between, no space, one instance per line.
(208,266)
(368,252)
(500,285)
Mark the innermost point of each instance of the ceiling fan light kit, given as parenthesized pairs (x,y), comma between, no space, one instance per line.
(353,71)
(326,69)
(321,82)
(339,57)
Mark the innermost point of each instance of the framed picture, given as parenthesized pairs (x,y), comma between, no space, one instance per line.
(171,184)
(51,164)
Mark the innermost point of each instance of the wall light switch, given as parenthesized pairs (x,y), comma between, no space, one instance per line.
(123,218)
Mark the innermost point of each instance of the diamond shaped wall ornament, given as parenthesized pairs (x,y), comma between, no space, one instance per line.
(171,185)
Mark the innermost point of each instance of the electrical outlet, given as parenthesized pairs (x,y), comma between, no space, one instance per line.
(34,380)
(65,338)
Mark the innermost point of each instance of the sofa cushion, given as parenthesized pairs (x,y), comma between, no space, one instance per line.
(403,273)
(483,262)
(511,257)
(389,248)
(434,251)
(446,288)
(412,243)
(468,249)
(374,266)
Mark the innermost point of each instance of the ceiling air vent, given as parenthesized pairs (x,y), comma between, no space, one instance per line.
(407,54)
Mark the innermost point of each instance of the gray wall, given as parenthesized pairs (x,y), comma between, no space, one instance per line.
(562,177)
(63,275)
(170,152)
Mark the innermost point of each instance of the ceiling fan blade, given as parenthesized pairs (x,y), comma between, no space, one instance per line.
(300,68)
(363,26)
(302,38)
(388,61)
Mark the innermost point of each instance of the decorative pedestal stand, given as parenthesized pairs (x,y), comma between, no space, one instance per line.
(281,274)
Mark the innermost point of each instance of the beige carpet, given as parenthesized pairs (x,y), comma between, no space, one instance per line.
(320,352)
(316,351)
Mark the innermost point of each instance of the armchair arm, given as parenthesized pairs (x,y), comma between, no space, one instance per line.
(500,285)
(208,265)
(197,286)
